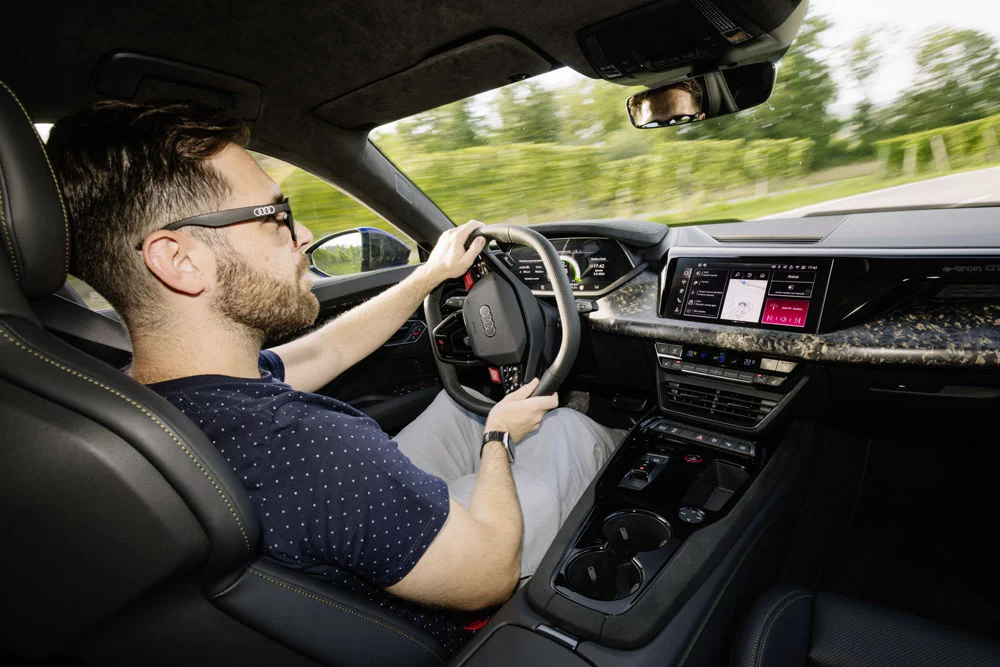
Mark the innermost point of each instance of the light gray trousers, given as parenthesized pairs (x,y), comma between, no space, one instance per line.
(552,466)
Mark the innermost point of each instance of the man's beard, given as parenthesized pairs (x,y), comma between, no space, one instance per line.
(272,307)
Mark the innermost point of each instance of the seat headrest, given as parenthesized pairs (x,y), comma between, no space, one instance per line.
(34,229)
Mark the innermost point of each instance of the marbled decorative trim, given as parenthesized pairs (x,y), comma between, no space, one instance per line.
(932,333)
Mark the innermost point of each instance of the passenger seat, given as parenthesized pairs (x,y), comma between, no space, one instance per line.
(795,626)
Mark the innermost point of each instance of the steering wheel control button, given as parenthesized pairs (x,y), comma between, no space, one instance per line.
(691,515)
(468,280)
(495,377)
(693,458)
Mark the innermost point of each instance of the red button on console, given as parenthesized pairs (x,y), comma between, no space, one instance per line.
(692,458)
(495,377)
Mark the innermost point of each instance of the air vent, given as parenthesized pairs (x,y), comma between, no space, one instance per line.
(975,291)
(729,407)
(768,239)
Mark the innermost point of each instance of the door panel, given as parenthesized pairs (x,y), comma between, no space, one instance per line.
(399,380)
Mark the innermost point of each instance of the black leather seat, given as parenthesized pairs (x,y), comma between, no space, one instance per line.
(127,539)
(793,626)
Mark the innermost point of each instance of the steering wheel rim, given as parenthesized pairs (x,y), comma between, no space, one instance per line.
(559,370)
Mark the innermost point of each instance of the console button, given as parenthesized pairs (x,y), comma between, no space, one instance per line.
(692,458)
(775,381)
(691,515)
(714,440)
(665,362)
(786,366)
(743,447)
(688,367)
(768,364)
(729,444)
(699,437)
(760,378)
(675,350)
(731,373)
(702,369)
(712,370)
(661,348)
(746,377)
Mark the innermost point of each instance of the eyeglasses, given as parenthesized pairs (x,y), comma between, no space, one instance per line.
(235,216)
(683,119)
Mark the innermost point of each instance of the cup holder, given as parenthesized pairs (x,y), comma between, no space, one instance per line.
(631,531)
(601,575)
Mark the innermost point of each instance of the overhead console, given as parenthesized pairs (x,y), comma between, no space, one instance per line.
(667,41)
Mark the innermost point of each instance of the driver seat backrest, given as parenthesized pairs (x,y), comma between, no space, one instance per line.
(128,538)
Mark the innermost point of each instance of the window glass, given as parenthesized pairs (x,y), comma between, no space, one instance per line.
(322,207)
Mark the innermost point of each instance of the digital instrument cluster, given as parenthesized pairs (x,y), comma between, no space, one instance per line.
(780,293)
(591,264)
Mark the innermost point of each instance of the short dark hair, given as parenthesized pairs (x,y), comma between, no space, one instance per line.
(127,169)
(690,85)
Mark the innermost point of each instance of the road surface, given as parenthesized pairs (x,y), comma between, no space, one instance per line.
(966,188)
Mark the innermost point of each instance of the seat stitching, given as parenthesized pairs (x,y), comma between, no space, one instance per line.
(312,596)
(147,413)
(52,171)
(774,622)
(763,623)
(10,246)
(718,598)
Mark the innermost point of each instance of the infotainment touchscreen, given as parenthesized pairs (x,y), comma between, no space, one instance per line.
(780,293)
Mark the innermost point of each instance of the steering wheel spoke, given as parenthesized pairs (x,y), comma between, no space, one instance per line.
(504,322)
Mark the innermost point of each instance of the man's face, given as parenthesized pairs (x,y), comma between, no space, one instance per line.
(666,103)
(262,276)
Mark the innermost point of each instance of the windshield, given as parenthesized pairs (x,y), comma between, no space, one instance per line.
(877,105)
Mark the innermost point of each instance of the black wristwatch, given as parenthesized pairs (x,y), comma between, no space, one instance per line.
(503,438)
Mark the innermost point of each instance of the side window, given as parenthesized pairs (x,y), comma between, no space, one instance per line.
(326,210)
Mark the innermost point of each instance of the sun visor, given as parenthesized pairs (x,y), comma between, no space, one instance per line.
(671,40)
(474,67)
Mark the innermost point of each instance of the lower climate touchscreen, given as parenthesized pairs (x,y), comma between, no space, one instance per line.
(783,293)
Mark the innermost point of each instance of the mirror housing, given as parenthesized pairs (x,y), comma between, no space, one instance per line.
(702,97)
(356,251)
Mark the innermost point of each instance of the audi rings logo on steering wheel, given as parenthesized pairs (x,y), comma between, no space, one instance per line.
(489,328)
(263,210)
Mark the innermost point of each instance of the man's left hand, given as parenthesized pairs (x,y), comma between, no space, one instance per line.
(450,259)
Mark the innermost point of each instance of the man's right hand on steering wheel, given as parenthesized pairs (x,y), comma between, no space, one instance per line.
(518,413)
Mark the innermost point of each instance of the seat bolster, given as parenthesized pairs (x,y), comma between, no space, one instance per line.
(776,630)
(327,624)
(853,632)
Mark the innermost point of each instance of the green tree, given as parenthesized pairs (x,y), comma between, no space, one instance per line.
(864,54)
(958,80)
(528,115)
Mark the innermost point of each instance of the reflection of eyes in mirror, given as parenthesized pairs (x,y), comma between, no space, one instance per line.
(677,104)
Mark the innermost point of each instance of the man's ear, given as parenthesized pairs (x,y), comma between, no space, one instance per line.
(178,261)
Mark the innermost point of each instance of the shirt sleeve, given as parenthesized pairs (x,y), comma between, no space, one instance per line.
(363,505)
(270,361)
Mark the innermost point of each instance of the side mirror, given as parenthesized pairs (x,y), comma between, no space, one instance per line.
(357,251)
(702,97)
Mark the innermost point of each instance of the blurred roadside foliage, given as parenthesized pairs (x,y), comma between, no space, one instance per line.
(533,152)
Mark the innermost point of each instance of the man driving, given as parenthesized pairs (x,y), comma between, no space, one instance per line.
(195,246)
(677,104)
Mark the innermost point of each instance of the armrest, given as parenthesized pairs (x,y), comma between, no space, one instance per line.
(327,624)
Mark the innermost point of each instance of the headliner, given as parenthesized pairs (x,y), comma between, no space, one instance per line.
(302,53)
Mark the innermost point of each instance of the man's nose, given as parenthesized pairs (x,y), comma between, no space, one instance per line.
(303,237)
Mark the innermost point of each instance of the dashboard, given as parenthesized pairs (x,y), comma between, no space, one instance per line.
(918,287)
(592,264)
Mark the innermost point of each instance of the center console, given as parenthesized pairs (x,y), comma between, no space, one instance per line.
(665,483)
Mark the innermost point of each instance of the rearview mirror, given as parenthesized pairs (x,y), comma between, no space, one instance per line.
(357,251)
(702,97)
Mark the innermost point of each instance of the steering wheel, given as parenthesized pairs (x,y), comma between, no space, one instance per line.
(503,325)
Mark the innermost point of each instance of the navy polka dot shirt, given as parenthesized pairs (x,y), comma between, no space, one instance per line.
(335,496)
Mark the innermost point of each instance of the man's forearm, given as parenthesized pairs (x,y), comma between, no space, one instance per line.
(312,361)
(494,504)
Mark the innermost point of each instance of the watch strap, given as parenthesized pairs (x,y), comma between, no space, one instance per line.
(503,438)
